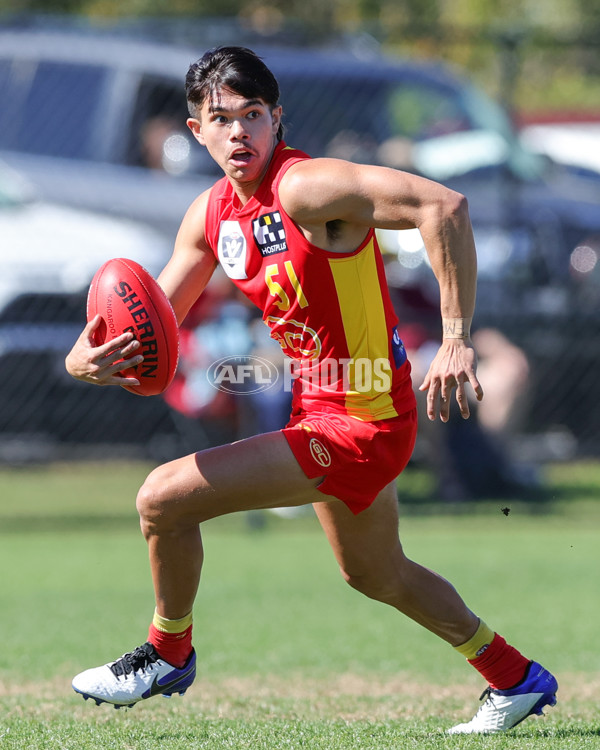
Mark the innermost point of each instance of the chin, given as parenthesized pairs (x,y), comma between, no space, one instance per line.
(241,174)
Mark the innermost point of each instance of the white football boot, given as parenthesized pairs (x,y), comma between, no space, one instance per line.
(504,709)
(135,676)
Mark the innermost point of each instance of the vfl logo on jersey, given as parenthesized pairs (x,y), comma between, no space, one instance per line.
(319,453)
(398,350)
(269,234)
(232,249)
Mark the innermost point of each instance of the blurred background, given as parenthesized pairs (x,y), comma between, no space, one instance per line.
(497,99)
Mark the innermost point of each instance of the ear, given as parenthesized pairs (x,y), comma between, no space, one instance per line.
(276,114)
(196,127)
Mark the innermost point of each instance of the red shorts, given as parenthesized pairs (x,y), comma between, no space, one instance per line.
(357,459)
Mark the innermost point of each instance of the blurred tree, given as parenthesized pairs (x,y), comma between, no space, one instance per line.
(540,54)
(38,6)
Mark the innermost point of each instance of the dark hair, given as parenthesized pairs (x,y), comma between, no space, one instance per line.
(236,68)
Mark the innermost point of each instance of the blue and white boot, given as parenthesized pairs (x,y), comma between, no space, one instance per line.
(504,709)
(135,676)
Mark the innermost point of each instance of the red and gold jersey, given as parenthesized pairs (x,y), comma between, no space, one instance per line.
(330,312)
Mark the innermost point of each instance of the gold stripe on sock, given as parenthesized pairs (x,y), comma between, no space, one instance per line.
(171,626)
(483,637)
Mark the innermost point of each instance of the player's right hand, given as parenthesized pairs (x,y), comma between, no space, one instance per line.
(101,365)
(453,366)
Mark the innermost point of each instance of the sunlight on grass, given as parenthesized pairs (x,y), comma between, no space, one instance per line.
(290,657)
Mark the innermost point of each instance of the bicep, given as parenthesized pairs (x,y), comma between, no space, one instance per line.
(185,277)
(323,190)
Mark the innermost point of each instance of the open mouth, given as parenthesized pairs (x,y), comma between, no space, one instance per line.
(241,156)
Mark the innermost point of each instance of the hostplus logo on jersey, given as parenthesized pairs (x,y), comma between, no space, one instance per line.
(269,234)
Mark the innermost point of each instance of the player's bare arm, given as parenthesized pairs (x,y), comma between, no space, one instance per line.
(356,197)
(192,263)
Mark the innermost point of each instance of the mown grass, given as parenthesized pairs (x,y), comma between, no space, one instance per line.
(290,657)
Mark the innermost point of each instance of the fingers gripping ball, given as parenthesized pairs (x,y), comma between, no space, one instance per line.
(128,298)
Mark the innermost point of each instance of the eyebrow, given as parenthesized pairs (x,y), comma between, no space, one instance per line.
(248,103)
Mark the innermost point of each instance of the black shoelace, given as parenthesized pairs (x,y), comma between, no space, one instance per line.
(134,661)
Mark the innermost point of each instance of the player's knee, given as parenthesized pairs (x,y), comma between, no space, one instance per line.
(153,501)
(376,585)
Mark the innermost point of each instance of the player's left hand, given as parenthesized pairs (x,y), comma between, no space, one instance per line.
(454,365)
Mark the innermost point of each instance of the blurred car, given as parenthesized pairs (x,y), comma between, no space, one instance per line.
(114,136)
(113,111)
(114,139)
(52,248)
(574,142)
(48,255)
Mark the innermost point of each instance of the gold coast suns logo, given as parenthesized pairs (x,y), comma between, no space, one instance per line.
(319,453)
(296,339)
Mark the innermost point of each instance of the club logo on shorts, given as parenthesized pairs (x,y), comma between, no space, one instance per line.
(232,250)
(319,453)
(269,234)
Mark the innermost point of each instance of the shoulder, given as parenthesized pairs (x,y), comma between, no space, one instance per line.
(315,171)
(316,184)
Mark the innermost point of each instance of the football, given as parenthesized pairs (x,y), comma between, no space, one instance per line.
(128,298)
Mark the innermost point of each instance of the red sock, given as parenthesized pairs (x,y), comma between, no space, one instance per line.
(174,648)
(501,665)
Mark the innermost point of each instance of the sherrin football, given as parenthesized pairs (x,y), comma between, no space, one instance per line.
(128,298)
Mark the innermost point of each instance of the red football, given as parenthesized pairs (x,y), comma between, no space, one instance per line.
(128,298)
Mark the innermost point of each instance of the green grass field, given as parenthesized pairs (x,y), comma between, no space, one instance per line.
(290,657)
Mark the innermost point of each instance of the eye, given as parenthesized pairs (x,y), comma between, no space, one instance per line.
(253,114)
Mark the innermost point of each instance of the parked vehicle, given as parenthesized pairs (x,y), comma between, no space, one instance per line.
(48,255)
(113,138)
(575,143)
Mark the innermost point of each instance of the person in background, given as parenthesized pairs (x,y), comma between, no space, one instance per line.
(449,450)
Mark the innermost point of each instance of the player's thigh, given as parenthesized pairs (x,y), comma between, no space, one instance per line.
(258,472)
(367,542)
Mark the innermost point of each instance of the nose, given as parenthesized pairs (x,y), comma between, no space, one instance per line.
(238,131)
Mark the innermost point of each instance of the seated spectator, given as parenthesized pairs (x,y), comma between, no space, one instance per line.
(471,459)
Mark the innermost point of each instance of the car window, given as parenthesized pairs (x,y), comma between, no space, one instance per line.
(4,76)
(343,119)
(159,136)
(367,120)
(50,108)
(417,112)
(15,80)
(160,110)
